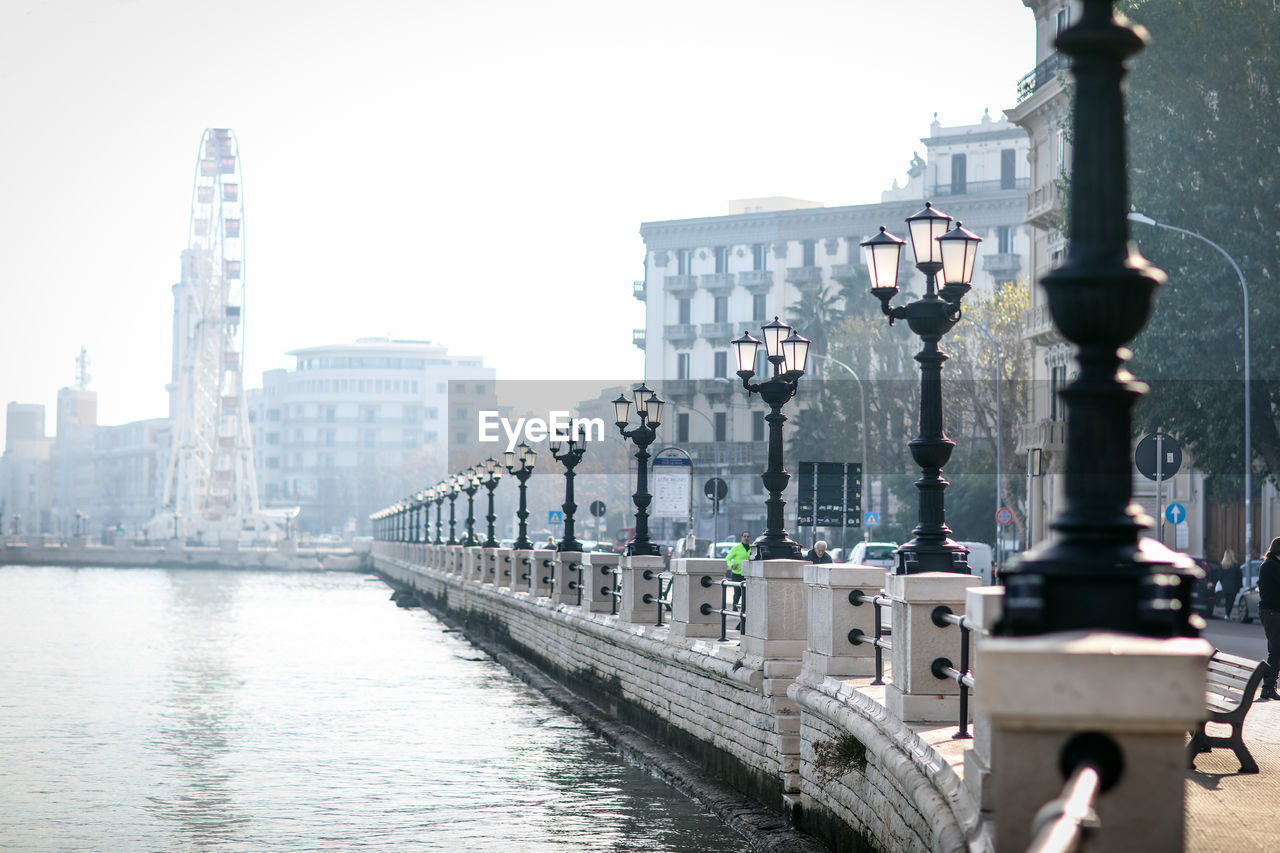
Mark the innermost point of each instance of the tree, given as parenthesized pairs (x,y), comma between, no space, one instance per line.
(1204,123)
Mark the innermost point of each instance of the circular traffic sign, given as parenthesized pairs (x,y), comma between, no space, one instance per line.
(715,489)
(1145,456)
(597,508)
(1004,516)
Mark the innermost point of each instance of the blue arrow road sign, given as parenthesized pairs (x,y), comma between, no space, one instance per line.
(555,516)
(871,519)
(1175,513)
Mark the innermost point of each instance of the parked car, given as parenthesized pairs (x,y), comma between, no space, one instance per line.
(1246,607)
(719,550)
(881,554)
(980,561)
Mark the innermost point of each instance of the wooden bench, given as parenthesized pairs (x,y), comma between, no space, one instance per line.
(1232,683)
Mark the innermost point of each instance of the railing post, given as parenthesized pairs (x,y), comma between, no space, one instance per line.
(639,576)
(513,564)
(688,595)
(542,567)
(982,606)
(474,560)
(832,617)
(914,693)
(596,574)
(565,588)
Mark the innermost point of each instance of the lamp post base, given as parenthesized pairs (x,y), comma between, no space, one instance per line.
(776,547)
(915,557)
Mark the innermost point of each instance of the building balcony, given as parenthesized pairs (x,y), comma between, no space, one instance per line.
(719,386)
(754,454)
(756,281)
(680,333)
(1046,435)
(1003,266)
(850,275)
(804,276)
(977,187)
(638,290)
(1039,76)
(717,333)
(1040,329)
(679,389)
(1042,205)
(680,285)
(719,283)
(638,338)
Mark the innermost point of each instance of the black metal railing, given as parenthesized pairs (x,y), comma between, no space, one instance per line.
(1040,75)
(977,187)
(942,668)
(576,584)
(663,598)
(738,608)
(614,587)
(881,639)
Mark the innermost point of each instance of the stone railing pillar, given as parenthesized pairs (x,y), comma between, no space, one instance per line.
(566,573)
(777,631)
(541,562)
(474,562)
(519,566)
(596,575)
(688,595)
(640,579)
(832,617)
(1142,694)
(983,605)
(914,694)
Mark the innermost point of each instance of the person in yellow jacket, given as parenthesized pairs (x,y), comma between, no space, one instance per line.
(733,564)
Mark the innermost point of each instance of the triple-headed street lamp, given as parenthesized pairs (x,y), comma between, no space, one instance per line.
(469,482)
(521,466)
(572,455)
(788,352)
(435,495)
(451,491)
(492,474)
(649,412)
(951,253)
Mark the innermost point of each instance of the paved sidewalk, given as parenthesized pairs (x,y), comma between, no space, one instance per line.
(1231,812)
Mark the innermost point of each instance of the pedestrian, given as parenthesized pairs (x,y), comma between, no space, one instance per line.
(740,551)
(1232,579)
(551,541)
(1269,613)
(818,553)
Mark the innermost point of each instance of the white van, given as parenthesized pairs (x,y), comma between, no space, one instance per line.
(980,561)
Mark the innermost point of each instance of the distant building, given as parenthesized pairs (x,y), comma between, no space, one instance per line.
(26,484)
(355,426)
(707,279)
(129,464)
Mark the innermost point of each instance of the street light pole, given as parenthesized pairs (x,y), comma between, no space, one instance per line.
(572,455)
(862,405)
(521,466)
(453,487)
(492,474)
(1135,216)
(649,412)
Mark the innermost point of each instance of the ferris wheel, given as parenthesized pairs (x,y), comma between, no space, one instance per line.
(211,486)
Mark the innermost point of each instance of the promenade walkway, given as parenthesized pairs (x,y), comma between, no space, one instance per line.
(1231,812)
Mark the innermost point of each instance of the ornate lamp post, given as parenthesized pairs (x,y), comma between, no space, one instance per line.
(788,352)
(418,517)
(492,474)
(521,465)
(451,490)
(1096,573)
(649,413)
(952,253)
(470,483)
(570,458)
(434,497)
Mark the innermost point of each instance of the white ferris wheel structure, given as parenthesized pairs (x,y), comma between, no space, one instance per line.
(210,489)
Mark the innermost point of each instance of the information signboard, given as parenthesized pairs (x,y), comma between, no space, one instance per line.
(672,484)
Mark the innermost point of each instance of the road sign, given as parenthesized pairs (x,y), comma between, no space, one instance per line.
(1004,516)
(715,489)
(555,516)
(871,519)
(1175,513)
(672,486)
(1146,459)
(829,494)
(597,508)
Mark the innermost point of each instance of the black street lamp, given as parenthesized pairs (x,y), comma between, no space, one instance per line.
(470,483)
(570,458)
(492,475)
(436,495)
(521,465)
(418,517)
(1096,573)
(951,253)
(452,489)
(649,413)
(788,352)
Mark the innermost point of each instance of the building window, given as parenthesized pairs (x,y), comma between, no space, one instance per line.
(1008,169)
(959,167)
(762,363)
(721,420)
(682,427)
(328,438)
(810,253)
(1057,379)
(760,256)
(479,388)
(432,413)
(369,414)
(759,307)
(722,258)
(757,425)
(459,388)
(1063,19)
(461,413)
(369,437)
(682,365)
(330,414)
(684,261)
(430,437)
(721,364)
(721,310)
(1004,237)
(685,309)
(273,462)
(273,414)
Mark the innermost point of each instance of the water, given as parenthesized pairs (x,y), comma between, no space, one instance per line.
(159,710)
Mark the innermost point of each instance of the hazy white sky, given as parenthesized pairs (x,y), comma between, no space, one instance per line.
(472,172)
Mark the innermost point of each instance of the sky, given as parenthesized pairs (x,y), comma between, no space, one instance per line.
(470,172)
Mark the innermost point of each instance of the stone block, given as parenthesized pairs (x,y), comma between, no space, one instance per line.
(541,568)
(777,609)
(640,579)
(690,594)
(918,642)
(569,576)
(597,579)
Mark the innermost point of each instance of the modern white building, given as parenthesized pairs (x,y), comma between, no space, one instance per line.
(707,279)
(354,426)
